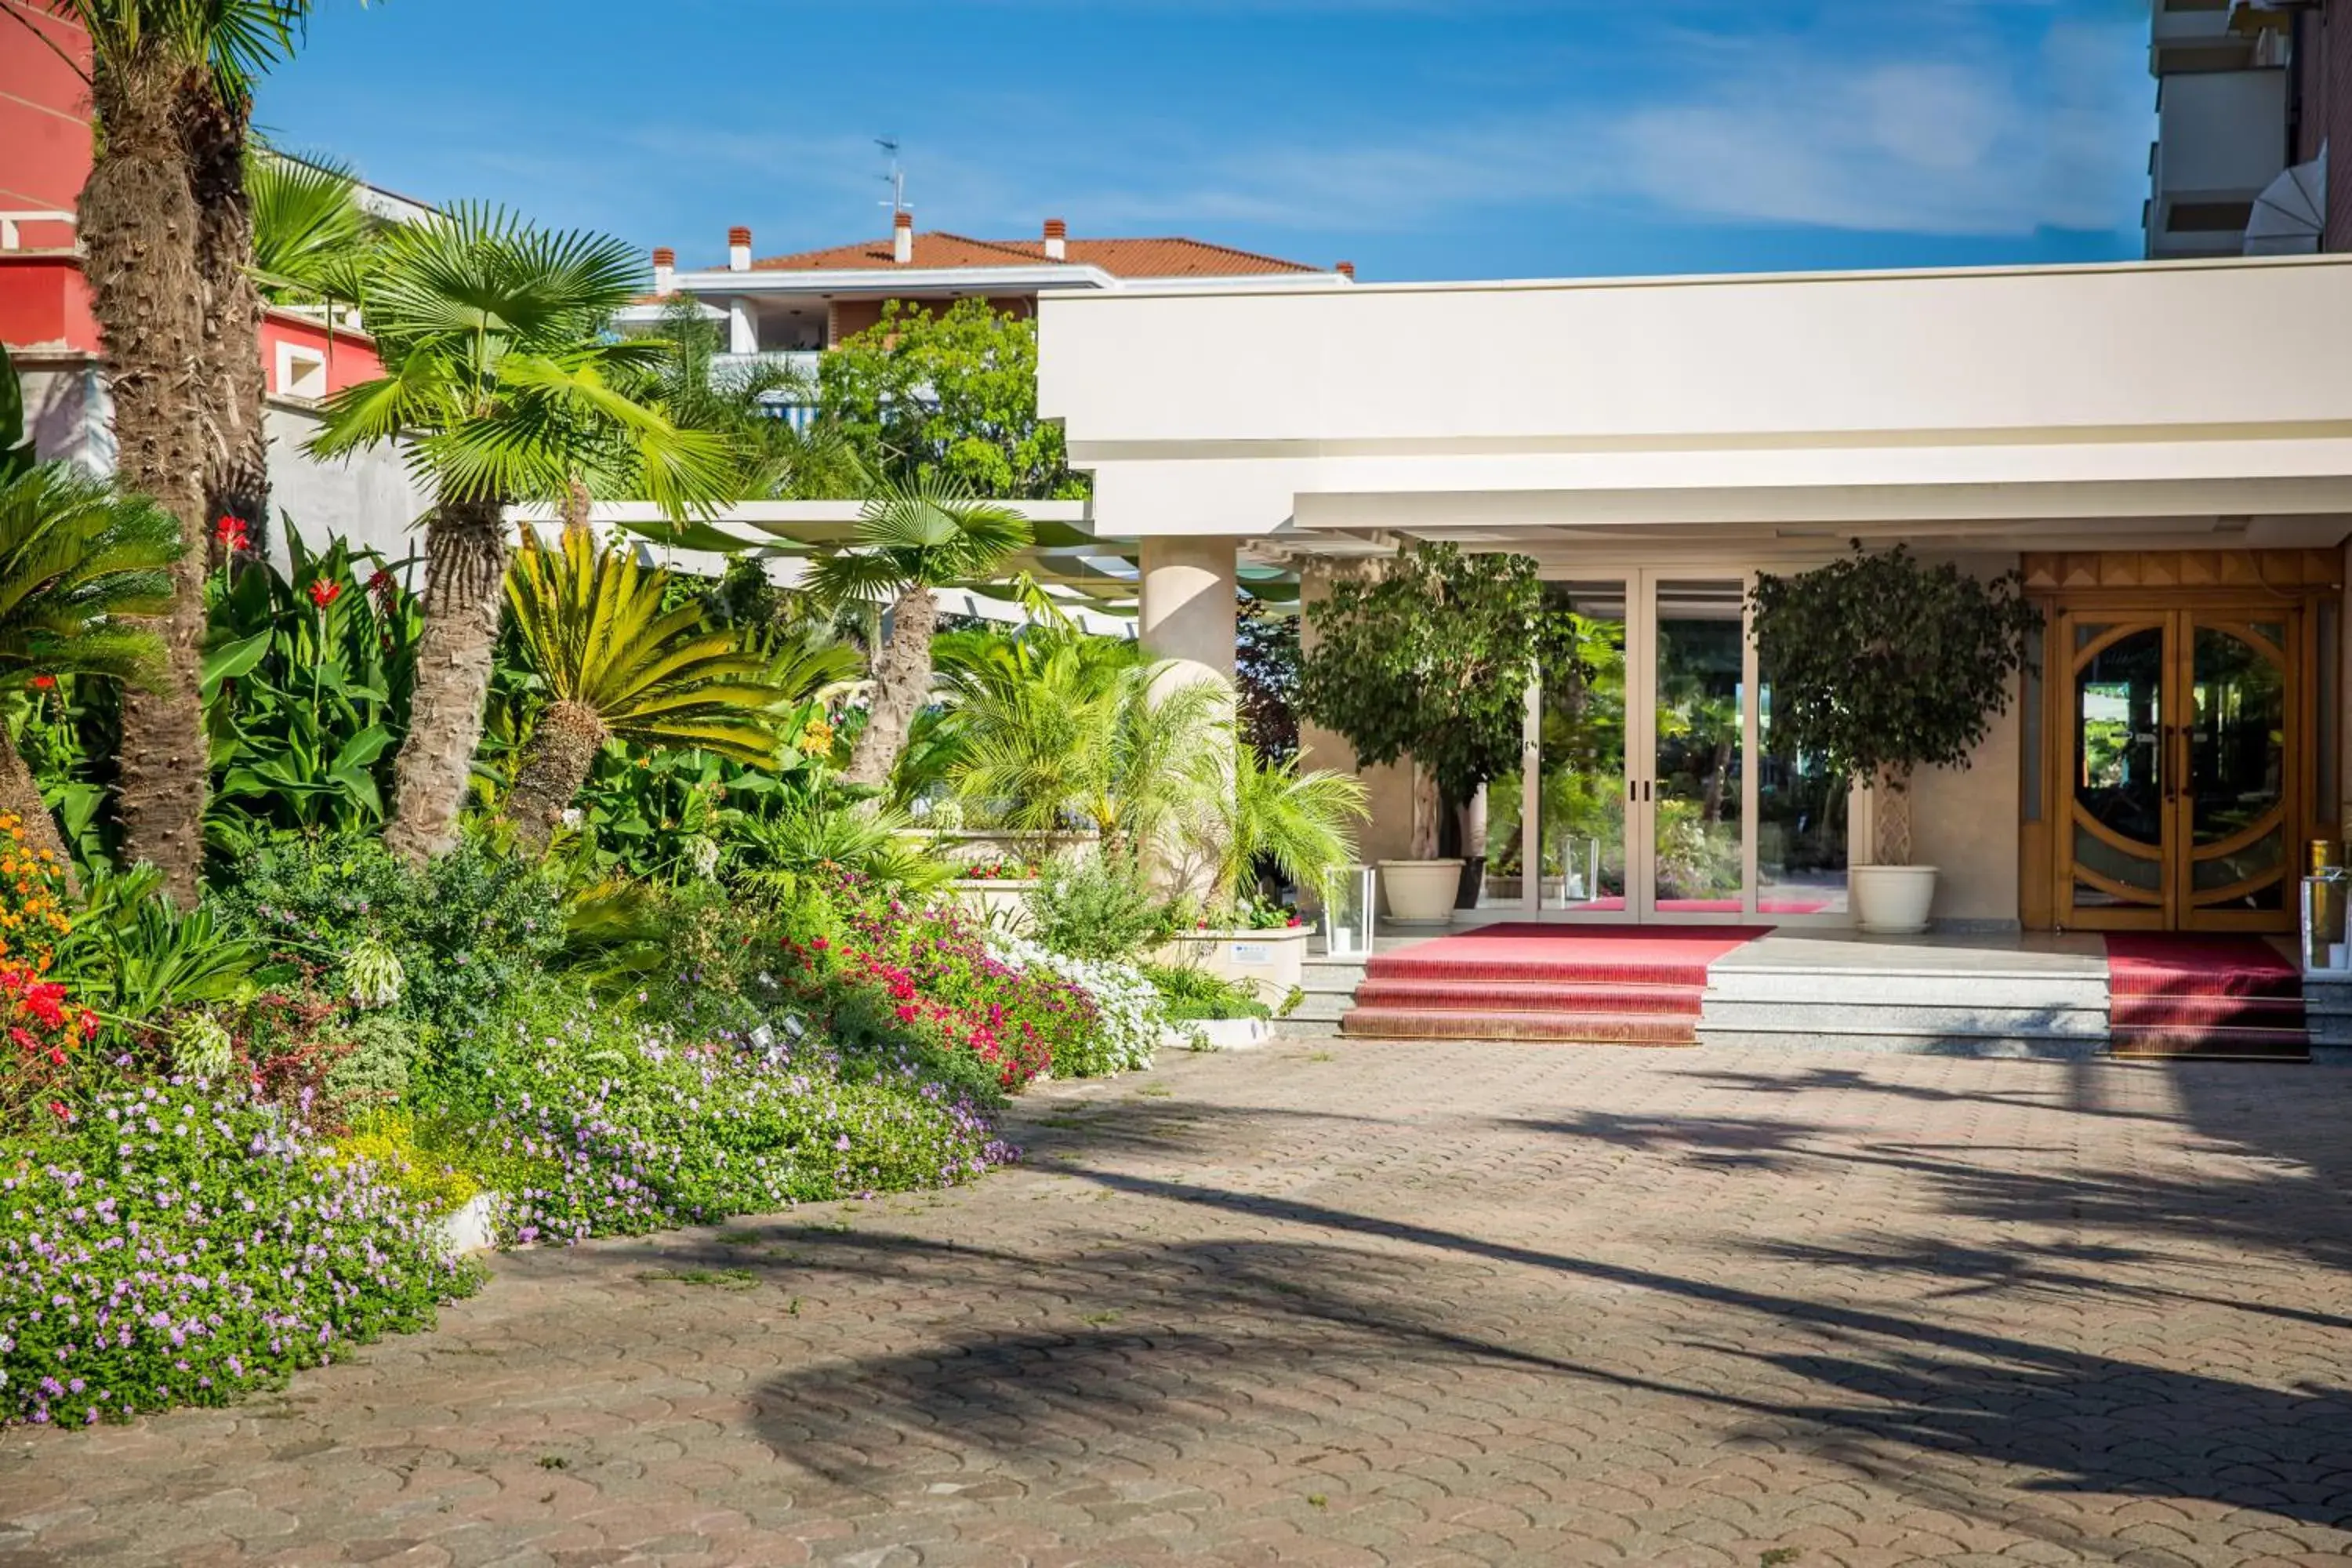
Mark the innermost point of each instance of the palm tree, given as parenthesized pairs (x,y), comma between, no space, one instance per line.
(915,535)
(312,239)
(746,403)
(506,384)
(617,666)
(77,557)
(1085,731)
(1299,821)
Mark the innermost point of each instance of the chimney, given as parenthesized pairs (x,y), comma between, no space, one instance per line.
(665,269)
(1347,269)
(739,249)
(902,237)
(1058,240)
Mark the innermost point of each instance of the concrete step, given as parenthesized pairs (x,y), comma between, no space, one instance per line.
(2049,1047)
(1892,1018)
(1852,988)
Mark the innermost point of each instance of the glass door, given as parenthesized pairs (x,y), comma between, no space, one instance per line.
(1578,804)
(2183,734)
(1691,799)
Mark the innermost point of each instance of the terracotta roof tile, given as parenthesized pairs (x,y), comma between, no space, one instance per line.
(1167,257)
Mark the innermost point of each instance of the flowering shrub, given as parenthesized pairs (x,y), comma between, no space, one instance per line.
(1000,871)
(48,1036)
(32,915)
(604,1126)
(1131,1020)
(177,1245)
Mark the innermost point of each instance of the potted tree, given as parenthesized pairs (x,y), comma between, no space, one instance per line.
(1880,666)
(1431,660)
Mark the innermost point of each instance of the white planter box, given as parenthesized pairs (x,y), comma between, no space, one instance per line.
(1275,962)
(468,1229)
(1220,1035)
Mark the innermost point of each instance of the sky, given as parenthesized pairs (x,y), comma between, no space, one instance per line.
(1419,139)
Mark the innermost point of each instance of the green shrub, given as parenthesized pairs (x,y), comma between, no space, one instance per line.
(1191,993)
(609,1125)
(1096,908)
(174,1246)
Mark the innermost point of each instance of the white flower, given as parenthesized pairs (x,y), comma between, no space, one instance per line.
(572,817)
(373,973)
(701,853)
(201,1047)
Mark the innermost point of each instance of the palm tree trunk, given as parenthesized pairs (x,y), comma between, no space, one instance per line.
(902,683)
(465,570)
(138,228)
(237,441)
(561,751)
(21,794)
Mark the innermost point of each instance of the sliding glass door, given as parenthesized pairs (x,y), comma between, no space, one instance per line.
(1649,792)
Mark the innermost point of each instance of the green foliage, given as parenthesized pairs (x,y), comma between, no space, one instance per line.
(1432,659)
(818,832)
(627,1128)
(1058,731)
(745,403)
(312,241)
(307,680)
(1096,908)
(1300,822)
(79,561)
(291,1255)
(131,953)
(1192,992)
(593,626)
(502,379)
(1265,678)
(924,532)
(472,930)
(951,396)
(17,454)
(1881,665)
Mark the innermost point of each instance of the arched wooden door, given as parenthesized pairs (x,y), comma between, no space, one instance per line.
(2183,746)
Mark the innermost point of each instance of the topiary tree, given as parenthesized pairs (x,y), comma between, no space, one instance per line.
(1880,666)
(1432,660)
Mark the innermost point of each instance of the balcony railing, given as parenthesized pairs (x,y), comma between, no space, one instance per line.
(799,361)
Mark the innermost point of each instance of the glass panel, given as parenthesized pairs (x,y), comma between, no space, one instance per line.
(2119,739)
(1503,887)
(1800,822)
(2237,743)
(2331,732)
(2137,873)
(1699,832)
(2264,857)
(1581,831)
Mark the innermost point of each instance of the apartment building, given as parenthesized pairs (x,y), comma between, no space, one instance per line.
(2249,95)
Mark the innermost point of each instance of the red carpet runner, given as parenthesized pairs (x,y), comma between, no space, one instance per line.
(2203,995)
(1617,985)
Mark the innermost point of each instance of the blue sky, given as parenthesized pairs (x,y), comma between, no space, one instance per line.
(1417,138)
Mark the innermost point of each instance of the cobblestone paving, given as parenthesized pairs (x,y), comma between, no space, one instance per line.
(1379,1303)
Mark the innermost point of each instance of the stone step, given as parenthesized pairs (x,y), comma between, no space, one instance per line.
(1889,1019)
(1856,989)
(2051,1047)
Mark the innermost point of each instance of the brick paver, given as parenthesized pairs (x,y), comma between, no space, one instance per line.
(1371,1303)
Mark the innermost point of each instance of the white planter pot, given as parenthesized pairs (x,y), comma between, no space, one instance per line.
(1271,961)
(1892,900)
(1421,892)
(1220,1035)
(468,1229)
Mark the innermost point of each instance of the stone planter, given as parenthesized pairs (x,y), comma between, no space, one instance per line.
(1420,892)
(1220,1034)
(468,1229)
(1892,900)
(999,902)
(1274,962)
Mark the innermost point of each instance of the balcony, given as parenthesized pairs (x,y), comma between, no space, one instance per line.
(802,363)
(2221,139)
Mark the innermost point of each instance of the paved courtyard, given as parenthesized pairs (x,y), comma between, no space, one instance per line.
(1382,1304)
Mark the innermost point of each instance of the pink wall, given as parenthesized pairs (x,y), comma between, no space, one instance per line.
(43,112)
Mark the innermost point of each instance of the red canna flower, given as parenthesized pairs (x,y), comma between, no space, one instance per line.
(380,582)
(233,533)
(323,592)
(43,683)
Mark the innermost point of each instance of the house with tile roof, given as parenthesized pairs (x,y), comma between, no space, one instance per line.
(792,307)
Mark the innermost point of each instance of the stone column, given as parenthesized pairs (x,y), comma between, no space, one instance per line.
(1187,603)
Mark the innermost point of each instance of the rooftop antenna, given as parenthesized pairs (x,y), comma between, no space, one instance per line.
(896,179)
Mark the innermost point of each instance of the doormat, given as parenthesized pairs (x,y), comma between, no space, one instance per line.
(1632,986)
(2203,995)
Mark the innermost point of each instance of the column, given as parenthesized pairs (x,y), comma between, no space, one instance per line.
(1186,604)
(742,327)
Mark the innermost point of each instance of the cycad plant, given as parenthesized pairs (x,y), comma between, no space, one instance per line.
(77,557)
(506,387)
(915,535)
(614,665)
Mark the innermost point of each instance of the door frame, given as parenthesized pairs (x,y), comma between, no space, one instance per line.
(2178,612)
(1638,786)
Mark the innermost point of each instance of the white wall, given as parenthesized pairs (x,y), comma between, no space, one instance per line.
(368,498)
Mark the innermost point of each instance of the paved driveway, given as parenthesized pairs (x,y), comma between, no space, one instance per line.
(1379,1303)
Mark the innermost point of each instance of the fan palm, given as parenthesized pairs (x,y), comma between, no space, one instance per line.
(506,388)
(311,238)
(77,557)
(616,665)
(1299,821)
(914,535)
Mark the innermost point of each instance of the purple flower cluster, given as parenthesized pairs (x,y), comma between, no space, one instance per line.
(607,1126)
(179,1244)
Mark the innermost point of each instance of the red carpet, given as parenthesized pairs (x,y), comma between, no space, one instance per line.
(1628,985)
(2202,995)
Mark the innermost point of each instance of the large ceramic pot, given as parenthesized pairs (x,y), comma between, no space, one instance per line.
(1892,900)
(1420,892)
